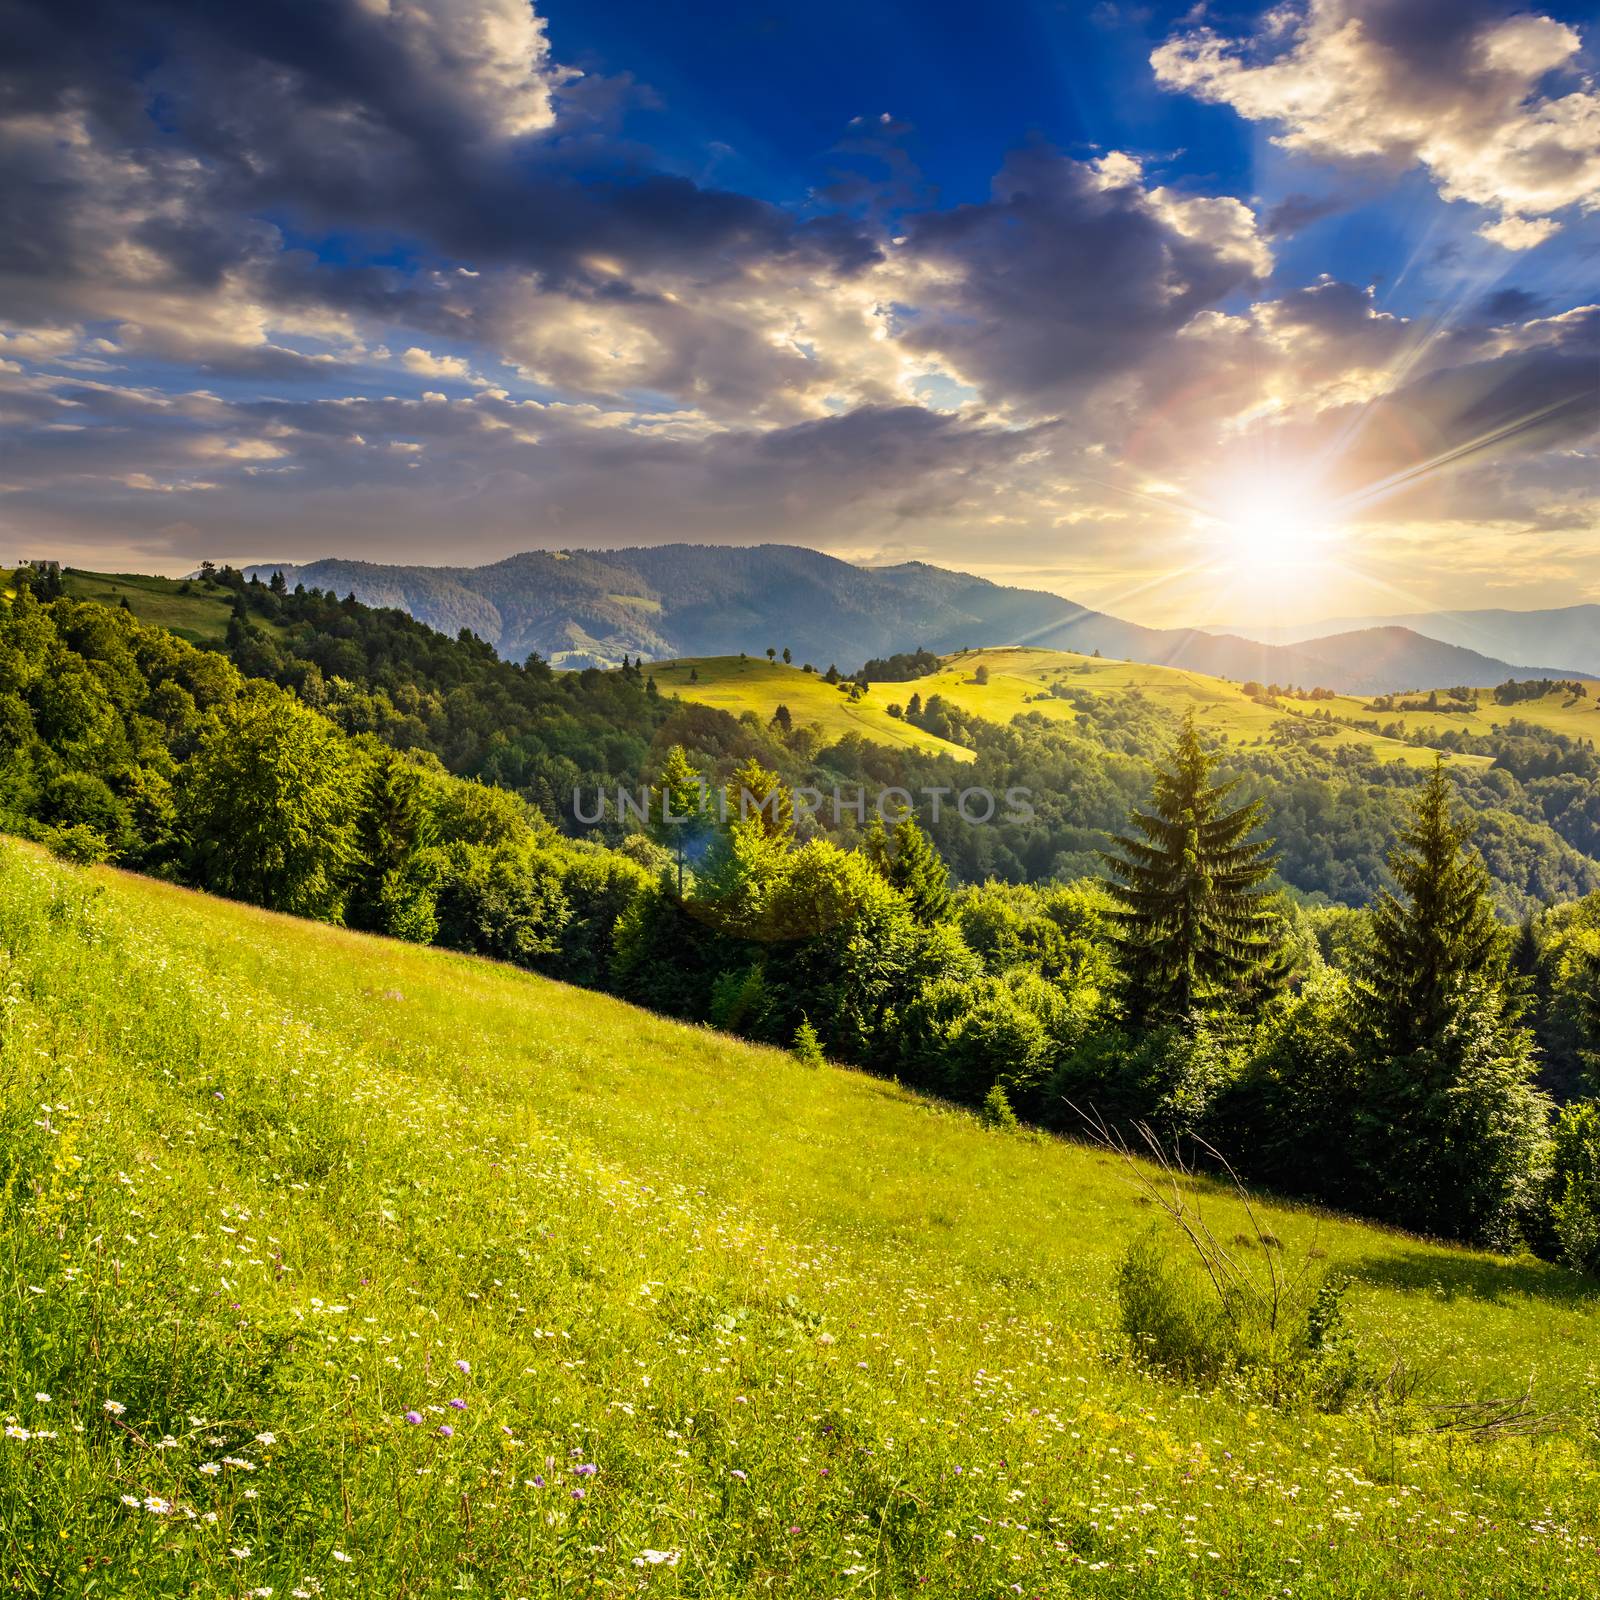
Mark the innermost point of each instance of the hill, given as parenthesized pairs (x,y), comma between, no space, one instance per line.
(590,608)
(353,1267)
(1567,633)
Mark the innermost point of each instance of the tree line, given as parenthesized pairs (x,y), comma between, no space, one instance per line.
(1383,1059)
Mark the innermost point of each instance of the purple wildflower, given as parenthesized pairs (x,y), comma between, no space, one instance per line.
(413,1417)
(458,1405)
(446,1431)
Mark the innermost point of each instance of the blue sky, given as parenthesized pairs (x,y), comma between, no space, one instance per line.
(1184,311)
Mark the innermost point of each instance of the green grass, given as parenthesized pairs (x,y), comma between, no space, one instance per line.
(200,616)
(1578,718)
(1020,679)
(736,684)
(816,1336)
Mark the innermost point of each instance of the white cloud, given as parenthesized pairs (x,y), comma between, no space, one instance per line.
(1464,95)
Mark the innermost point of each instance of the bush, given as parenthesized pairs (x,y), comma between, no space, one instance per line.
(997,1110)
(807,1046)
(77,842)
(1197,1314)
(1573,1188)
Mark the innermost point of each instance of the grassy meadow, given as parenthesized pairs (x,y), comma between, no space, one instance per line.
(1020,680)
(201,616)
(737,684)
(336,1266)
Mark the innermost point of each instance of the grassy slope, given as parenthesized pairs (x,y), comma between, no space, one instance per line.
(735,684)
(1577,718)
(816,1335)
(1017,672)
(1019,680)
(201,616)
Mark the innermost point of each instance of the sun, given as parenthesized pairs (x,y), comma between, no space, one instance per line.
(1270,524)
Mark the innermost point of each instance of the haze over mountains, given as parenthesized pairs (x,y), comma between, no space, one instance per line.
(584,608)
(1567,633)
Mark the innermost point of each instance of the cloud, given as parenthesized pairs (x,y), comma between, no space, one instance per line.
(1491,104)
(1068,274)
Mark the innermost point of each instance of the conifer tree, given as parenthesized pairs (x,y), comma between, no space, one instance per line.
(910,862)
(1450,1126)
(919,873)
(757,794)
(1441,936)
(679,806)
(1195,929)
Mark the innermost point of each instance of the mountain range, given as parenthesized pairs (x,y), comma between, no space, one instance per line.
(582,608)
(1567,633)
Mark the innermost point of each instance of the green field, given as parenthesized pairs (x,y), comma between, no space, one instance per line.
(737,684)
(200,616)
(1578,717)
(1020,680)
(674,1314)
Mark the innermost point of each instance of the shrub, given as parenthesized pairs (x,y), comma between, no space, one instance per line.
(807,1046)
(1574,1186)
(997,1110)
(77,842)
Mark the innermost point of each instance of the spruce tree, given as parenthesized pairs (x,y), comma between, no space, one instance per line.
(918,871)
(391,825)
(1442,935)
(1196,932)
(1449,1125)
(680,807)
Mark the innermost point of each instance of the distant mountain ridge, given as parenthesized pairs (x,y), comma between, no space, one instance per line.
(582,608)
(1566,633)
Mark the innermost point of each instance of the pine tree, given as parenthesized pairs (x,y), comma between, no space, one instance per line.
(679,806)
(757,794)
(919,873)
(392,824)
(1194,927)
(1441,936)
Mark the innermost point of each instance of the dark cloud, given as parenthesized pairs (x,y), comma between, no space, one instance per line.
(1297,211)
(334,115)
(1070,273)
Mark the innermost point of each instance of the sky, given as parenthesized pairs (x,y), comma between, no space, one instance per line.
(1193,313)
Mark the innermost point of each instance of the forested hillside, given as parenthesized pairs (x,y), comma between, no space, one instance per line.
(1383,1059)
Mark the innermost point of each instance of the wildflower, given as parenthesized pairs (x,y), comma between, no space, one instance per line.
(413,1417)
(464,1366)
(156,1506)
(339,1555)
(458,1405)
(446,1431)
(114,1407)
(130,1499)
(43,1399)
(657,1558)
(577,1494)
(14,1432)
(586,1470)
(210,1468)
(266,1438)
(736,1473)
(239,1550)
(537,1481)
